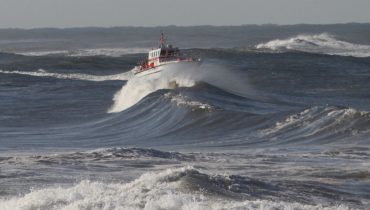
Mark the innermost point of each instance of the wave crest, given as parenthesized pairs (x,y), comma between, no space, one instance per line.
(320,123)
(321,43)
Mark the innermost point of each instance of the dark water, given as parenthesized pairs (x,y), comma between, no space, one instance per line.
(276,117)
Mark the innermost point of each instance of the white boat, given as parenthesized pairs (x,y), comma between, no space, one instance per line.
(163,57)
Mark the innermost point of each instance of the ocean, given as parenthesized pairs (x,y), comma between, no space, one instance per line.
(275,117)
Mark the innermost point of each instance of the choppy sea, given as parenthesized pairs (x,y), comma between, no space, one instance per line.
(275,117)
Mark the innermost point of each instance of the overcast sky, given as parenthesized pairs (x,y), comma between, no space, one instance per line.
(76,13)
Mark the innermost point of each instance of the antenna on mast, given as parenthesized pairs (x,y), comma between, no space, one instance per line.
(162,40)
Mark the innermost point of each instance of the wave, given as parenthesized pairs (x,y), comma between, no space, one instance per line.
(321,123)
(72,76)
(320,43)
(181,188)
(110,52)
(174,76)
(114,153)
(101,155)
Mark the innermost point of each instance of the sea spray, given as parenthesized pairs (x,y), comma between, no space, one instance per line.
(138,87)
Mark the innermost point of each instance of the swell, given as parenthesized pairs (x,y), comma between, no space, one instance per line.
(178,118)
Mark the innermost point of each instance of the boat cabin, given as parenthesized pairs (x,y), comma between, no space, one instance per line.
(163,52)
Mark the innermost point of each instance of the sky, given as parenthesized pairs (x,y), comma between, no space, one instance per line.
(107,13)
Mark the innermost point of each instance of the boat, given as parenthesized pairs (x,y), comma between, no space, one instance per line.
(162,57)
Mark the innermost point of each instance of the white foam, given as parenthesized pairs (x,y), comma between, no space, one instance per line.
(72,76)
(111,52)
(320,43)
(163,190)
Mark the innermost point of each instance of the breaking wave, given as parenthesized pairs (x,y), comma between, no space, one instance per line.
(321,43)
(72,76)
(138,87)
(181,188)
(174,76)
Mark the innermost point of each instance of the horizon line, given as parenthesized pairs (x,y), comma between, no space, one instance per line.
(180,26)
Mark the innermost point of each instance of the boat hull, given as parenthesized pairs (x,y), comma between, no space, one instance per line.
(168,65)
